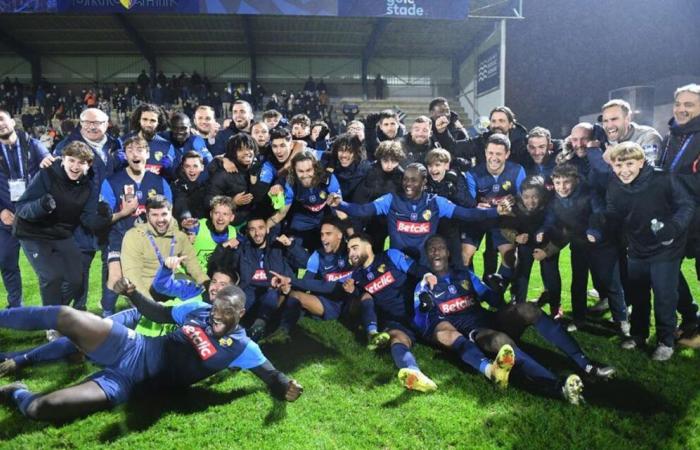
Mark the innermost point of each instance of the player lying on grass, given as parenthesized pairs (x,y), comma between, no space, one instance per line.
(164,285)
(447,311)
(207,341)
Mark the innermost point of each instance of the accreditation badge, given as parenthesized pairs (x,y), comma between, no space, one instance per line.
(17,188)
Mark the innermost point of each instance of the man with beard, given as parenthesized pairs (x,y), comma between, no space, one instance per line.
(381,282)
(381,127)
(619,127)
(258,257)
(306,192)
(242,117)
(502,121)
(207,340)
(21,158)
(326,270)
(417,143)
(126,192)
(680,155)
(183,140)
(56,201)
(108,157)
(146,246)
(146,121)
(542,155)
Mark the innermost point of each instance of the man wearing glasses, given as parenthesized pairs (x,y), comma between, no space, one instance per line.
(93,132)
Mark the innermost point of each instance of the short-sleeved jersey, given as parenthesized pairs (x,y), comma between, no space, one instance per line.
(457,293)
(115,187)
(487,188)
(384,280)
(329,267)
(193,353)
(308,204)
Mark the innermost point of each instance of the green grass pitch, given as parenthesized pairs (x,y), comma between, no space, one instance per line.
(352,399)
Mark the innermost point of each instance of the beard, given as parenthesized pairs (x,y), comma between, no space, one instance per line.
(148,134)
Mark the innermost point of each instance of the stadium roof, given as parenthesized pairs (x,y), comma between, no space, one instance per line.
(53,34)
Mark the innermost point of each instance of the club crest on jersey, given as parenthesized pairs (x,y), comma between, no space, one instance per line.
(380,283)
(200,341)
(507,185)
(427,214)
(226,341)
(158,156)
(465,285)
(381,268)
(322,195)
(152,193)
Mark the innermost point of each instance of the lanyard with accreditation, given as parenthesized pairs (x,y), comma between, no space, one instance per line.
(17,178)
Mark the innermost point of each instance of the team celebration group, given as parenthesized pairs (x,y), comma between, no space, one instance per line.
(222,236)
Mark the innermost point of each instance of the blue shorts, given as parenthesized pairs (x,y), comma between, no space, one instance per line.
(387,323)
(332,309)
(126,357)
(464,322)
(473,236)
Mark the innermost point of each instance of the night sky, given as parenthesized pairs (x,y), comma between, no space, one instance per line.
(566,55)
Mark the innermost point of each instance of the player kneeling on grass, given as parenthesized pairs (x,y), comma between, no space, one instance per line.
(447,310)
(207,341)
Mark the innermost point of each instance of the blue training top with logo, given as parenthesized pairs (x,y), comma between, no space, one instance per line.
(456,293)
(324,272)
(411,222)
(308,203)
(487,188)
(384,280)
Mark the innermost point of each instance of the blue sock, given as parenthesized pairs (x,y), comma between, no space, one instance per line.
(506,272)
(52,351)
(23,398)
(290,313)
(471,354)
(534,370)
(369,316)
(30,318)
(403,358)
(555,334)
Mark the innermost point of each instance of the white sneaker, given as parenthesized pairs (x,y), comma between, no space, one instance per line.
(662,353)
